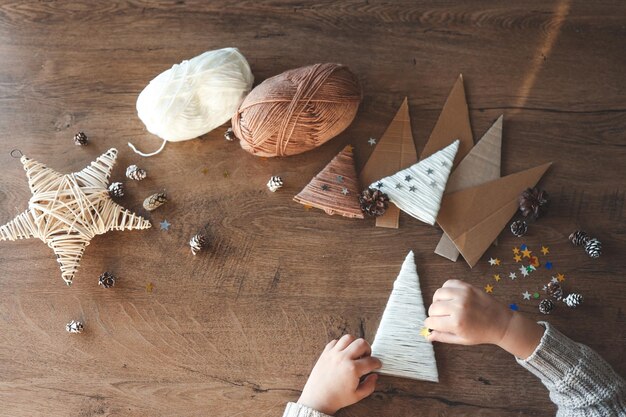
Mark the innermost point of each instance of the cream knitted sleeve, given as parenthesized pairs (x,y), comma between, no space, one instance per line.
(580,382)
(299,410)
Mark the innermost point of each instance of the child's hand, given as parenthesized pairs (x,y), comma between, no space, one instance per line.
(465,315)
(334,382)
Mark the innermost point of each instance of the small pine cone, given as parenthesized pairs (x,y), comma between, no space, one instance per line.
(116,190)
(80,139)
(135,173)
(554,290)
(573,300)
(593,247)
(274,183)
(519,228)
(74,327)
(155,201)
(546,306)
(373,202)
(578,238)
(107,280)
(229,135)
(533,202)
(198,242)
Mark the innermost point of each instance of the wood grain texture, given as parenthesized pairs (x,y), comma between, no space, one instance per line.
(234,332)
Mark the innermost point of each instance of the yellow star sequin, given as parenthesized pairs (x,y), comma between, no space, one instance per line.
(526,253)
(425,332)
(560,277)
(545,250)
(518,258)
(515,251)
(497,277)
(488,288)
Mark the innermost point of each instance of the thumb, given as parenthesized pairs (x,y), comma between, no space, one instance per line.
(445,337)
(366,388)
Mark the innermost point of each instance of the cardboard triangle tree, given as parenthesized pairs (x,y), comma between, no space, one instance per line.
(453,124)
(481,165)
(395,150)
(398,343)
(475,216)
(417,190)
(336,188)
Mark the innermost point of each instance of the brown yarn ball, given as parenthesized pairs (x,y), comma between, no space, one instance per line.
(297,110)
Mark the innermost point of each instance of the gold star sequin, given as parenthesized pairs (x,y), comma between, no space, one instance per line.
(526,253)
(425,332)
(488,289)
(497,277)
(560,277)
(545,250)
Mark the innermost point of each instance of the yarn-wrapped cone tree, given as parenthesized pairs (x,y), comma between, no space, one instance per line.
(335,189)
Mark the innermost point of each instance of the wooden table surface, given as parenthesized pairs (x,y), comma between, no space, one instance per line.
(234,331)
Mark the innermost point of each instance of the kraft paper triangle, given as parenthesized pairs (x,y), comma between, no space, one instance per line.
(398,343)
(336,188)
(417,190)
(395,150)
(481,165)
(453,123)
(475,216)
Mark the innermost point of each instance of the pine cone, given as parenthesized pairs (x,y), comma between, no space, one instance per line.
(578,238)
(373,202)
(107,280)
(80,139)
(198,242)
(229,135)
(135,173)
(274,183)
(74,327)
(116,190)
(519,228)
(554,290)
(155,201)
(546,306)
(573,300)
(593,247)
(533,202)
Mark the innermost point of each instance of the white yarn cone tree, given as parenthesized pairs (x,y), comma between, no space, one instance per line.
(398,343)
(418,189)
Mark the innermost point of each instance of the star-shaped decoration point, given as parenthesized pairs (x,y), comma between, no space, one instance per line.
(560,277)
(345,191)
(526,253)
(523,270)
(339,178)
(488,288)
(518,258)
(545,250)
(526,295)
(325,187)
(371,141)
(424,332)
(512,275)
(165,225)
(497,277)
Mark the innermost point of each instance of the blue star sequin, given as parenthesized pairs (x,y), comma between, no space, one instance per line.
(165,225)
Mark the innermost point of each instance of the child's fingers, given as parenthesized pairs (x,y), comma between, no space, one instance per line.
(330,345)
(358,348)
(439,323)
(344,341)
(445,337)
(454,283)
(440,308)
(367,387)
(367,364)
(445,294)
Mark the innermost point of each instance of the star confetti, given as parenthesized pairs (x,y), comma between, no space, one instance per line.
(165,225)
(545,250)
(523,270)
(494,261)
(345,191)
(560,277)
(526,295)
(514,307)
(425,332)
(372,141)
(488,289)
(516,251)
(339,178)
(497,277)
(325,187)
(554,280)
(548,265)
(518,258)
(530,268)
(526,253)
(512,275)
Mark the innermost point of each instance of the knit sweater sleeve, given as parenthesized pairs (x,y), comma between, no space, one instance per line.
(299,410)
(580,382)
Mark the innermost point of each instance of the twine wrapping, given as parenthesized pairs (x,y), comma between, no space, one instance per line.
(297,110)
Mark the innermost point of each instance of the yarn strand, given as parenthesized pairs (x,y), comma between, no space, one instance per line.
(138,152)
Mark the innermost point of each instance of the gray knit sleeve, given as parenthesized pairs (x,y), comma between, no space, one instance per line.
(580,382)
(299,410)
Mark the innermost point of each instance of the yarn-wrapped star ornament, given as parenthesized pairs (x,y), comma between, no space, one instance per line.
(67,211)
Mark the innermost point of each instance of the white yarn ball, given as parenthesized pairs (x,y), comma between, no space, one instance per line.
(195,96)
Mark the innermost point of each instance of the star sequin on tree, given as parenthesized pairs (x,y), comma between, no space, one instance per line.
(325,187)
(345,191)
(339,178)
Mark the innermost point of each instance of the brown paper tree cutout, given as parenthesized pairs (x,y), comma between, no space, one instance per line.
(481,165)
(395,151)
(474,217)
(335,189)
(67,211)
(453,123)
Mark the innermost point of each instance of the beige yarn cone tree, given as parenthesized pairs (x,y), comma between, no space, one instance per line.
(67,211)
(336,188)
(398,342)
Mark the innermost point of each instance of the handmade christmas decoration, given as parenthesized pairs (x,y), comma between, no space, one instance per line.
(417,190)
(373,202)
(275,183)
(297,110)
(519,228)
(107,280)
(554,290)
(229,135)
(335,189)
(533,202)
(474,217)
(155,201)
(573,300)
(397,343)
(593,247)
(395,151)
(67,211)
(198,242)
(546,306)
(80,139)
(116,190)
(194,97)
(578,238)
(74,327)
(133,172)
(482,164)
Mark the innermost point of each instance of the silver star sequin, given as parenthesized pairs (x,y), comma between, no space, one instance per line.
(345,191)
